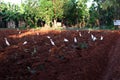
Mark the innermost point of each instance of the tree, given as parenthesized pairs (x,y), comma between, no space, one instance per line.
(57,10)
(98,11)
(9,12)
(46,11)
(94,15)
(28,11)
(31,12)
(75,12)
(51,10)
(114,4)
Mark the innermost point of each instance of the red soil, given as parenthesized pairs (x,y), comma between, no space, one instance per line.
(39,60)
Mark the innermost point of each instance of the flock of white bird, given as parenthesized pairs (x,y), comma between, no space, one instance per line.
(94,38)
(75,39)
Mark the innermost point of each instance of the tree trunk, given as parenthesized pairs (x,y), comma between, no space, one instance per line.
(55,23)
(54,11)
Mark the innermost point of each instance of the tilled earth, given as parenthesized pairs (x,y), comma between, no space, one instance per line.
(31,56)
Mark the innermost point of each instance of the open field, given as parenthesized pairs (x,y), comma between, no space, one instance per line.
(29,55)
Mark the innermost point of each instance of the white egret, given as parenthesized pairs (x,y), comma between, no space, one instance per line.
(25,43)
(75,40)
(80,34)
(89,32)
(52,42)
(93,37)
(48,37)
(37,34)
(65,40)
(6,41)
(101,38)
(19,32)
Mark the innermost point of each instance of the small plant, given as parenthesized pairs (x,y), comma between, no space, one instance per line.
(79,46)
(83,45)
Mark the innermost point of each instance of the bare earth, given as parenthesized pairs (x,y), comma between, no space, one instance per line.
(31,56)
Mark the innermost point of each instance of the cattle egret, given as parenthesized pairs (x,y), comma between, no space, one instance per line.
(93,37)
(48,37)
(19,32)
(65,40)
(101,38)
(52,42)
(75,40)
(89,32)
(37,33)
(25,43)
(80,34)
(6,41)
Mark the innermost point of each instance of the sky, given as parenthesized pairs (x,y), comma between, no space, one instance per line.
(13,1)
(19,1)
(89,3)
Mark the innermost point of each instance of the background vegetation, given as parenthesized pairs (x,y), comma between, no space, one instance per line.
(71,13)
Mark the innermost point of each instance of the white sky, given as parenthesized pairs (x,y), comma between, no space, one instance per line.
(89,3)
(19,1)
(13,1)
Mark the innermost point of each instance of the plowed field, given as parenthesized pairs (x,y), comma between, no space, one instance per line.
(30,55)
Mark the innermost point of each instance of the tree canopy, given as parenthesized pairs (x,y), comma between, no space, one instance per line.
(69,12)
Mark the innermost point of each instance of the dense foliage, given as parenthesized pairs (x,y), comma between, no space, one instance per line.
(68,12)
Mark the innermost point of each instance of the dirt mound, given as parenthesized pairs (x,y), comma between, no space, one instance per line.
(73,55)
